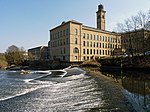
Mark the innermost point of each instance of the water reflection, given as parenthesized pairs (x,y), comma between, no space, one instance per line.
(136,85)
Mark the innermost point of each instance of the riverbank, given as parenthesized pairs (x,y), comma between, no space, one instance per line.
(113,83)
(140,63)
(95,72)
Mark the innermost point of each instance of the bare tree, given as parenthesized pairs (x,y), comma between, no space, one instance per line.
(134,22)
(143,18)
(131,28)
(120,28)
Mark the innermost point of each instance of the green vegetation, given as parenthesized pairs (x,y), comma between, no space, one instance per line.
(3,62)
(15,55)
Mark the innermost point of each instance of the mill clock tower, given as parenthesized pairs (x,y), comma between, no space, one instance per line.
(101,17)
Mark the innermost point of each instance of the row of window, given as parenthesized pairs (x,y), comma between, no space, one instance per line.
(60,42)
(101,45)
(98,52)
(101,38)
(65,41)
(87,57)
(59,34)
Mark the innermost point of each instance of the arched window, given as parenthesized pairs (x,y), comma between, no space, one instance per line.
(75,50)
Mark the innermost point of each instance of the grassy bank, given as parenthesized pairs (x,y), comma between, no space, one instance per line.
(95,72)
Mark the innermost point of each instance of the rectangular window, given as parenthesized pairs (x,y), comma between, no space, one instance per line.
(58,42)
(100,52)
(103,52)
(91,36)
(110,45)
(94,37)
(64,50)
(103,45)
(60,33)
(84,58)
(103,38)
(108,39)
(97,51)
(61,42)
(100,45)
(90,51)
(97,37)
(63,32)
(87,57)
(87,51)
(83,43)
(92,57)
(67,31)
(84,35)
(100,38)
(76,41)
(67,41)
(87,36)
(76,31)
(83,51)
(94,44)
(97,44)
(90,44)
(87,43)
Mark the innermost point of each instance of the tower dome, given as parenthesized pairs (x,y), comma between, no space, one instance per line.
(100,7)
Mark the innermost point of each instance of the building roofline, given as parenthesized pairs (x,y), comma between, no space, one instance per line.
(37,47)
(64,23)
(85,27)
(98,30)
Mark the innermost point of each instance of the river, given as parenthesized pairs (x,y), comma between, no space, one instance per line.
(66,90)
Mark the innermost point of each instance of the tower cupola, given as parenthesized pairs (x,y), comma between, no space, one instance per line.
(100,7)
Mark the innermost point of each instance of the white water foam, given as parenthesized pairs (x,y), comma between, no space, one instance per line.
(29,80)
(43,72)
(73,68)
(136,101)
(62,75)
(26,91)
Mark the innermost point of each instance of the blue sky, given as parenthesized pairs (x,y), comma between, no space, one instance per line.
(26,23)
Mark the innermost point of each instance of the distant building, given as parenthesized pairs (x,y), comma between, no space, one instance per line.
(38,53)
(136,42)
(73,42)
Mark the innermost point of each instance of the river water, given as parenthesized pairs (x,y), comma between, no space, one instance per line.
(67,90)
